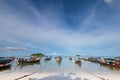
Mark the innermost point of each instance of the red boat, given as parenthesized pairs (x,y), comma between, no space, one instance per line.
(22,60)
(116,64)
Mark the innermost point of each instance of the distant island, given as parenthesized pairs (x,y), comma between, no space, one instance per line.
(37,55)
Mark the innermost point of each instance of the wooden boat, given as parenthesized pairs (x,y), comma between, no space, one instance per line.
(70,58)
(10,58)
(102,61)
(116,64)
(109,61)
(47,58)
(78,61)
(22,60)
(5,63)
(58,59)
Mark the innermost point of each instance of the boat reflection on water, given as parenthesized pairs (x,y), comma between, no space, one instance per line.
(58,60)
(5,69)
(78,62)
(28,64)
(59,63)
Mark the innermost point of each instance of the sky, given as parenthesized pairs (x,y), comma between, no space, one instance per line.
(63,27)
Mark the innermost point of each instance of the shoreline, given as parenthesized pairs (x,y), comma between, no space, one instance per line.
(52,76)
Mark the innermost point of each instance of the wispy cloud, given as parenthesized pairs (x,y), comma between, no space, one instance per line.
(108,1)
(47,28)
(12,49)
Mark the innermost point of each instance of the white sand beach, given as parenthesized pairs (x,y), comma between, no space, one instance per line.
(37,75)
(48,76)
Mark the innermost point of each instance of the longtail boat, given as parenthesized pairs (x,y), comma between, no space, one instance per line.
(77,61)
(70,58)
(47,58)
(5,63)
(116,62)
(31,60)
(58,59)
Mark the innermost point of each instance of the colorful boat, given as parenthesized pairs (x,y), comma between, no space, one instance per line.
(5,63)
(78,61)
(31,60)
(116,62)
(58,59)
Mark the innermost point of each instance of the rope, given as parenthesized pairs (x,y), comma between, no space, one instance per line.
(97,76)
(26,75)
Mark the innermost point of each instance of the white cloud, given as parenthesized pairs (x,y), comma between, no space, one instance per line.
(12,49)
(49,30)
(108,1)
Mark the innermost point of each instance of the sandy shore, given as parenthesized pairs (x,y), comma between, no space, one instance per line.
(51,76)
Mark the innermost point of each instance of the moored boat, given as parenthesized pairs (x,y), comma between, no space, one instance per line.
(58,59)
(70,58)
(116,62)
(78,61)
(5,63)
(31,60)
(47,58)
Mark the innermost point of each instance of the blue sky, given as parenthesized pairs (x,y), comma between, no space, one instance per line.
(65,27)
